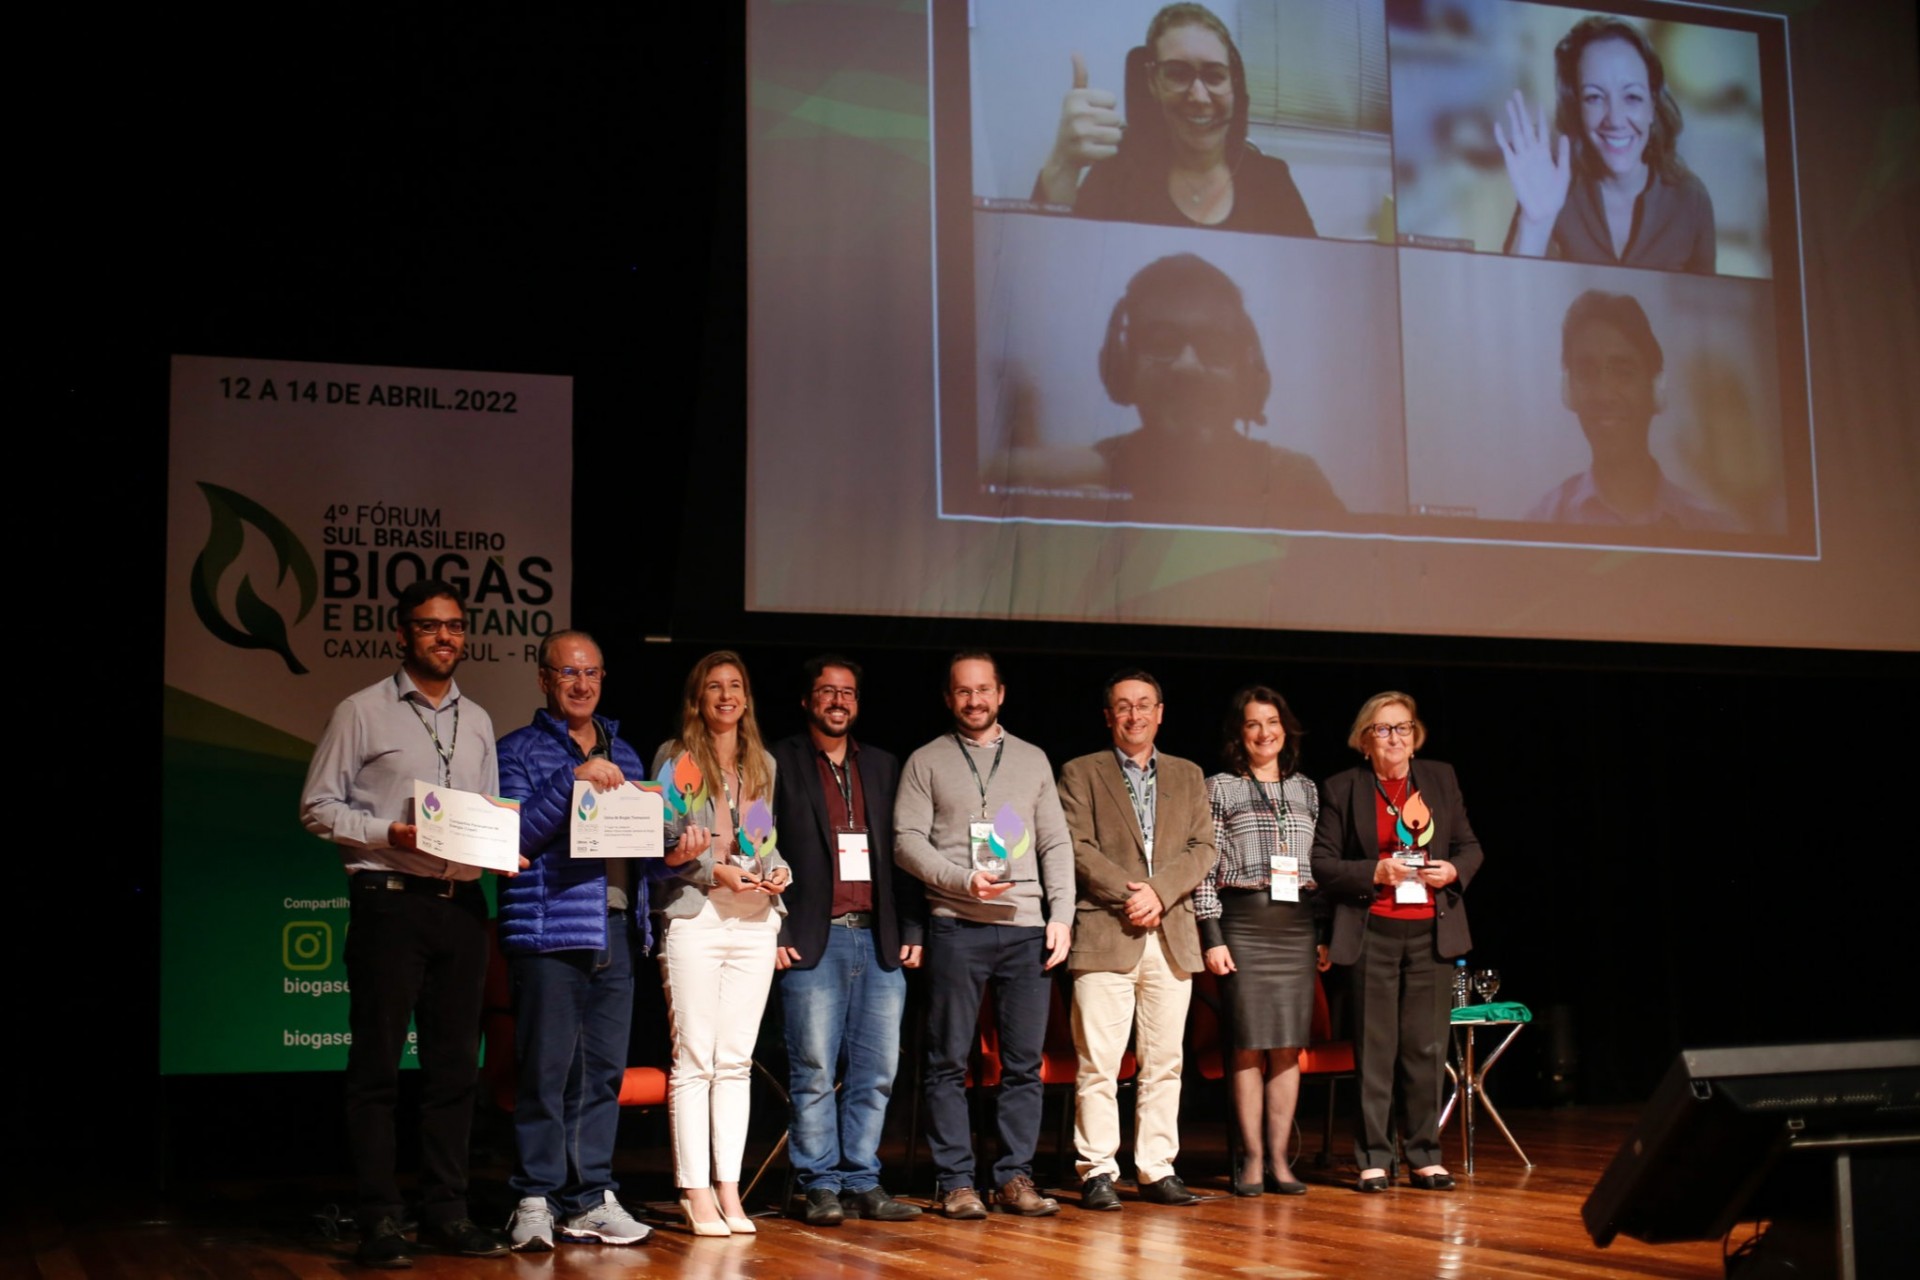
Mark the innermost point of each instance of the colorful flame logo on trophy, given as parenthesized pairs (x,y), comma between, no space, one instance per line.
(756,834)
(682,786)
(1010,838)
(1414,826)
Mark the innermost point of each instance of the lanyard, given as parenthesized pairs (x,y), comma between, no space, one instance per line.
(968,757)
(843,782)
(1281,811)
(444,752)
(1143,810)
(733,810)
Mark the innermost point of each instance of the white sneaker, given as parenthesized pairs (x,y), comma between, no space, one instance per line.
(607,1223)
(530,1229)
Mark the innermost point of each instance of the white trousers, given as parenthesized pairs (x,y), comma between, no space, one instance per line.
(718,967)
(1105,1006)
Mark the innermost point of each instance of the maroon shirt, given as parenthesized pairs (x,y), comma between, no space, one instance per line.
(857,896)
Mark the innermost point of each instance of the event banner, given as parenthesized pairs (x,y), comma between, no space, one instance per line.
(301,499)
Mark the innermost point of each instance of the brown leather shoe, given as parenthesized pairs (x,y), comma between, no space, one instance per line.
(1018,1195)
(963,1204)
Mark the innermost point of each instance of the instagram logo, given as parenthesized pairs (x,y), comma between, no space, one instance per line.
(306,944)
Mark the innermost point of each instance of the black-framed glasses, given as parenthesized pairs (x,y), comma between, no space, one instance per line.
(836,693)
(1384,731)
(592,675)
(433,626)
(1163,341)
(1176,76)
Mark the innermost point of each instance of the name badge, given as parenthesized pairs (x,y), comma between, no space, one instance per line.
(854,863)
(1283,878)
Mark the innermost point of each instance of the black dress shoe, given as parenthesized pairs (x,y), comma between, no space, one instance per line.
(1431,1181)
(823,1208)
(461,1236)
(1285,1186)
(382,1245)
(1167,1190)
(1372,1184)
(1097,1194)
(876,1204)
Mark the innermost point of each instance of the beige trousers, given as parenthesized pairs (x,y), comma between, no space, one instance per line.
(1151,1002)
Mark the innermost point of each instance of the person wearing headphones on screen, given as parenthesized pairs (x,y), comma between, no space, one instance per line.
(1180,157)
(1611,188)
(1181,348)
(1610,371)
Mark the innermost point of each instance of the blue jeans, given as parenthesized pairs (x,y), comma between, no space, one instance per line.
(572,1011)
(962,960)
(844,1008)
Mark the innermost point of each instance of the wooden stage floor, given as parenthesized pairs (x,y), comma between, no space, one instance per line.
(1505,1221)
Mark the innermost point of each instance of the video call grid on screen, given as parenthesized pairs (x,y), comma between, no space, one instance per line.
(1416,382)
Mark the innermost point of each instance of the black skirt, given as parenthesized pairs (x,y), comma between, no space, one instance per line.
(1270,993)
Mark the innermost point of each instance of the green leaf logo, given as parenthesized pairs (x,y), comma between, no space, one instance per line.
(259,625)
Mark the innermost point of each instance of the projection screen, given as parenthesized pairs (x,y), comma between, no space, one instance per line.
(1431,316)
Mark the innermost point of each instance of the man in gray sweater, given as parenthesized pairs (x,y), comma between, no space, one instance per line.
(977,818)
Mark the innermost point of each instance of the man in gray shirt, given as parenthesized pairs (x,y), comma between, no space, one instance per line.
(417,935)
(978,820)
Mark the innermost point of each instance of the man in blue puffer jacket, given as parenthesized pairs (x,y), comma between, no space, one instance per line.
(570,928)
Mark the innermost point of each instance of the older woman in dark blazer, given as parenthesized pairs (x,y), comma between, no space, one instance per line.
(1394,850)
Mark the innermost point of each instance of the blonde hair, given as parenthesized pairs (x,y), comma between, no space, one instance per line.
(1357,736)
(750,756)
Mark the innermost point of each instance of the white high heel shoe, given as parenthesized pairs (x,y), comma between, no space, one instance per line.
(724,1227)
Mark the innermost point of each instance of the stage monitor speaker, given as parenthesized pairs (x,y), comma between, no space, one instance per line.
(1781,1132)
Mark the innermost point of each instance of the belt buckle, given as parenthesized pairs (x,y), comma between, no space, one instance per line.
(447,888)
(395,883)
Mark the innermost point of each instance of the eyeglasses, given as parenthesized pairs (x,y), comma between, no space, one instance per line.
(1143,707)
(835,693)
(1165,342)
(1174,76)
(592,675)
(1384,731)
(433,626)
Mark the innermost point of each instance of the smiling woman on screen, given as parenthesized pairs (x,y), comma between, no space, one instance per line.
(1611,187)
(1180,155)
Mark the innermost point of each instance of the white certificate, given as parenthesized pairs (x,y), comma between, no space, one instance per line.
(464,826)
(626,822)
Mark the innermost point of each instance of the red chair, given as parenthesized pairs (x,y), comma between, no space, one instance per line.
(1327,1059)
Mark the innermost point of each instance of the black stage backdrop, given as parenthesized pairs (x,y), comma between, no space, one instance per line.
(1686,846)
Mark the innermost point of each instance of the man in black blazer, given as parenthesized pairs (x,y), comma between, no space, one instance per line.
(853,924)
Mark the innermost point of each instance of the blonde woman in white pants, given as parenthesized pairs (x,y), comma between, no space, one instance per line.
(721,919)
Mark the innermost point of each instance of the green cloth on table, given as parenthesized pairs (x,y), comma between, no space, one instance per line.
(1509,1012)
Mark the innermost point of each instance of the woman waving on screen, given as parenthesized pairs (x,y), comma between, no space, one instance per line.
(1610,187)
(1180,156)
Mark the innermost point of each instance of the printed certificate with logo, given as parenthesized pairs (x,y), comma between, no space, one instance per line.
(466,827)
(626,822)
